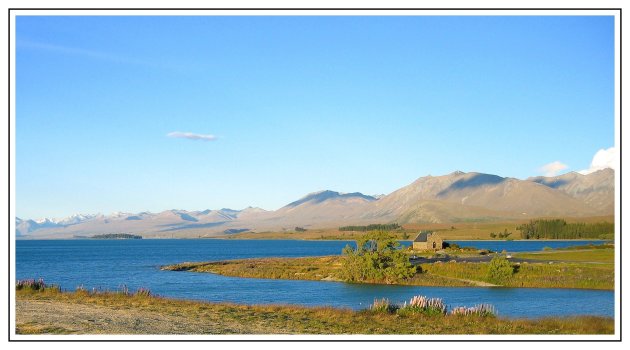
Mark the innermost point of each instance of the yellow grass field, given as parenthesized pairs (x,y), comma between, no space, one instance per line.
(450,231)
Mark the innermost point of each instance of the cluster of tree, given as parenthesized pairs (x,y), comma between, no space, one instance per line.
(504,234)
(371,227)
(378,258)
(500,270)
(299,229)
(560,229)
(117,236)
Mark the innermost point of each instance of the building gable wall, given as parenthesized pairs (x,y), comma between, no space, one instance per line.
(434,242)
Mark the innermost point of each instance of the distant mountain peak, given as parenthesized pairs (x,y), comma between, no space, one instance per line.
(472,180)
(253,209)
(321,196)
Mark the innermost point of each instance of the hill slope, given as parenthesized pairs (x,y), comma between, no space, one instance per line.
(435,199)
(597,190)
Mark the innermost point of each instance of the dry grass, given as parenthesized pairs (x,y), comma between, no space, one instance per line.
(310,268)
(53,312)
(449,231)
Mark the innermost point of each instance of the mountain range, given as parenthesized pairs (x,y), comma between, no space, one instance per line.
(449,198)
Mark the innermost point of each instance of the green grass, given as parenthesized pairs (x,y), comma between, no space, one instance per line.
(560,275)
(603,254)
(241,319)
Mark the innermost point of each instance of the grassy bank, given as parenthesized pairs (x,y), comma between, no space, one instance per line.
(533,275)
(50,311)
(581,274)
(603,254)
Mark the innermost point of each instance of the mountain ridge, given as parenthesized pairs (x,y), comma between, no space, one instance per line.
(446,198)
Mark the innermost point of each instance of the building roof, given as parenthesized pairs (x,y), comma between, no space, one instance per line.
(422,237)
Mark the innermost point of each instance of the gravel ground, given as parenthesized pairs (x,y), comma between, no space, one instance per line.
(56,317)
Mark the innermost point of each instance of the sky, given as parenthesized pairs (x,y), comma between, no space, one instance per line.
(154,113)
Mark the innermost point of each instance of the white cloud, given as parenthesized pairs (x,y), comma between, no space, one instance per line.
(553,168)
(604,158)
(191,136)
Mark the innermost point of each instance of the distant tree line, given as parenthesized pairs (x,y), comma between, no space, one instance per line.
(117,236)
(371,227)
(504,234)
(560,229)
(299,229)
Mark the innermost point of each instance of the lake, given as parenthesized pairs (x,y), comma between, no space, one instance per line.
(110,264)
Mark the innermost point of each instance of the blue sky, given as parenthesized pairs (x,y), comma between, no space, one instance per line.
(296,105)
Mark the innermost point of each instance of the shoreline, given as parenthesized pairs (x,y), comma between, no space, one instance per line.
(50,311)
(309,240)
(543,274)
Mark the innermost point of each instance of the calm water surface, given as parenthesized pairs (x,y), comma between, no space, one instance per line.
(109,264)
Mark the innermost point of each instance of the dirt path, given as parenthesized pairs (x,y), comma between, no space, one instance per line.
(472,282)
(56,317)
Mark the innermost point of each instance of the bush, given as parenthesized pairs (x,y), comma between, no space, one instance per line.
(36,286)
(500,270)
(384,306)
(378,258)
(483,310)
(423,305)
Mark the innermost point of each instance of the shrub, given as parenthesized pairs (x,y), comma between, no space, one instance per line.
(483,310)
(424,305)
(30,284)
(383,305)
(500,270)
(36,285)
(377,258)
(421,305)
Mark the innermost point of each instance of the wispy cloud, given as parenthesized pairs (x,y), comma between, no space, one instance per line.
(604,158)
(191,136)
(553,168)
(94,54)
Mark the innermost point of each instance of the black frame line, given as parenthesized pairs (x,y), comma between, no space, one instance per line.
(10,236)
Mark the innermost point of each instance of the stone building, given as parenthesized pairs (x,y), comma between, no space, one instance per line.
(428,241)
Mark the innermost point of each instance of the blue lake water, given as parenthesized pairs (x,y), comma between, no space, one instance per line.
(110,264)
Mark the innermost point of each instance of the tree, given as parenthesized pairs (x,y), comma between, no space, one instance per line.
(377,259)
(500,270)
